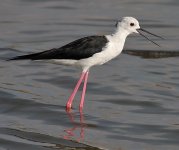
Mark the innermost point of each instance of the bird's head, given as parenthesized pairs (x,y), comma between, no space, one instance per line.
(131,25)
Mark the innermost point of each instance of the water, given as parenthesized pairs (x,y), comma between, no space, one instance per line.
(131,102)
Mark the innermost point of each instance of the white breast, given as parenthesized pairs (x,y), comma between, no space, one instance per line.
(112,49)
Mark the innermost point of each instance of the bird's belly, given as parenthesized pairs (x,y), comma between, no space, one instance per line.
(99,58)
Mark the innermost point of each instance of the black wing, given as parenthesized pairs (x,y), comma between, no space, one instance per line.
(79,49)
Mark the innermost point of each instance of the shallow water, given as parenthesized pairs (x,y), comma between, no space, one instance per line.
(131,102)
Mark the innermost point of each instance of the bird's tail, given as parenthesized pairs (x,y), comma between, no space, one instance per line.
(24,57)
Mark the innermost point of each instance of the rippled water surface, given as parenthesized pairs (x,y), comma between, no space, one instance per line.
(132,102)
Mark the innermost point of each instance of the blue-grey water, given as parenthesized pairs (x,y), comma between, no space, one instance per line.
(132,102)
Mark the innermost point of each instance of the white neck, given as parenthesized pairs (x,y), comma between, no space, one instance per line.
(119,37)
(120,34)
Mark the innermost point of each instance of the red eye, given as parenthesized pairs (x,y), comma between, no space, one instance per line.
(131,24)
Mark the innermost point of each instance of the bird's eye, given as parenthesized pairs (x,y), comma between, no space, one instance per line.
(131,24)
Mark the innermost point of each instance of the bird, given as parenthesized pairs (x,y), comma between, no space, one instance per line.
(90,51)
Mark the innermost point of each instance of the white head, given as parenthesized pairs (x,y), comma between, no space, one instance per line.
(130,24)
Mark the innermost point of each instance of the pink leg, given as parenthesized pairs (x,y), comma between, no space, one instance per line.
(70,100)
(83,92)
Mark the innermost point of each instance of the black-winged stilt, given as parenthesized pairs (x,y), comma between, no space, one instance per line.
(90,51)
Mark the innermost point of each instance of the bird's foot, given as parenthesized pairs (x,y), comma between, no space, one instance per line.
(68,107)
(81,108)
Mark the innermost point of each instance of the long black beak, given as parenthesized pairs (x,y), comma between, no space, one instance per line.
(150,34)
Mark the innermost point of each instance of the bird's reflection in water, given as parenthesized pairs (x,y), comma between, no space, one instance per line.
(77,131)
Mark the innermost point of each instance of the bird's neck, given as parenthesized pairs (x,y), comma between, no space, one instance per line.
(118,38)
(116,42)
(120,34)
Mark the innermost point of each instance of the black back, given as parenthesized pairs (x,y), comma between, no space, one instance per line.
(79,49)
